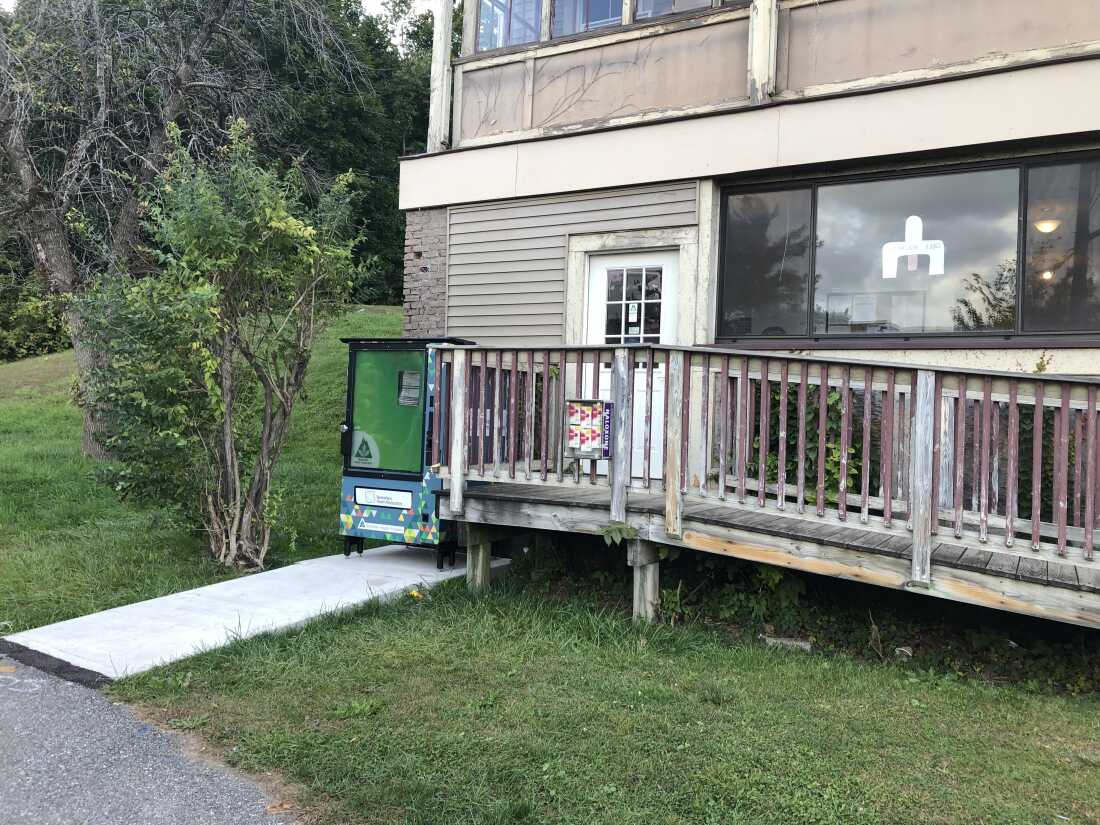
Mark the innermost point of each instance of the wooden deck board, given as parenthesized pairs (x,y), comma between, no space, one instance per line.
(770,522)
(1032,569)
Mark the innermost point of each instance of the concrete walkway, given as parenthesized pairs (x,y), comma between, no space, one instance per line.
(137,637)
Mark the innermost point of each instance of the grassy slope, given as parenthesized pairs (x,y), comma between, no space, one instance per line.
(521,709)
(69,547)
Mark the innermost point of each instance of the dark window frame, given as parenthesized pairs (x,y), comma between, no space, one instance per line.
(1016,339)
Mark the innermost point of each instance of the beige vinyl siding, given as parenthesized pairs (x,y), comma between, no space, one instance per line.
(506,260)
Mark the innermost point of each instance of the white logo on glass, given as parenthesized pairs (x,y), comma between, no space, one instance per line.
(912,247)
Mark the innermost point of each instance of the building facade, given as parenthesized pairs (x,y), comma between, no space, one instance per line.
(910,179)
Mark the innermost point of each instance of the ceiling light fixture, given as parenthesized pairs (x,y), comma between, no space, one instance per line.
(1047,275)
(1047,225)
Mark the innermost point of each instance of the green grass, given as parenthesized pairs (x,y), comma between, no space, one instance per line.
(523,708)
(519,707)
(69,547)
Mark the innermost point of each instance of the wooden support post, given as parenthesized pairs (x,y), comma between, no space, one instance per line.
(763,44)
(922,494)
(479,554)
(674,436)
(457,465)
(620,445)
(439,105)
(643,558)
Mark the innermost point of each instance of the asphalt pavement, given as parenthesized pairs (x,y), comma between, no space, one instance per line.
(70,756)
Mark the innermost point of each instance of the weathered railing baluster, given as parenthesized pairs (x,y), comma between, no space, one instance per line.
(724,427)
(497,414)
(800,486)
(744,410)
(479,430)
(926,411)
(545,423)
(887,454)
(865,482)
(1037,464)
(513,436)
(622,379)
(647,445)
(594,464)
(579,389)
(704,425)
(675,427)
(765,421)
(685,417)
(781,458)
(960,454)
(557,421)
(845,439)
(1061,474)
(1090,472)
(987,412)
(822,427)
(458,430)
(1078,439)
(1012,469)
(937,450)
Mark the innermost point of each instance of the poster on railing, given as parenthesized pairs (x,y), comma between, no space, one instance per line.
(588,428)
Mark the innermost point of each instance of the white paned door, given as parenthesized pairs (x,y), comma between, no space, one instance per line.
(633,299)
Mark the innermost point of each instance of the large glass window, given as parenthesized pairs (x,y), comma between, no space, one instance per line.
(766,264)
(573,16)
(927,254)
(503,23)
(1062,275)
(913,255)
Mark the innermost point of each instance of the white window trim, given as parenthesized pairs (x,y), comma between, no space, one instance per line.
(685,240)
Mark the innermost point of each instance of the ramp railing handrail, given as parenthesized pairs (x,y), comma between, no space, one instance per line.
(995,457)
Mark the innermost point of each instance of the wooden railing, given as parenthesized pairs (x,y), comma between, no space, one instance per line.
(985,456)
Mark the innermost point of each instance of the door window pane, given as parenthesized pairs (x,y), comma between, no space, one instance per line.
(614,284)
(766,264)
(508,23)
(573,16)
(1062,275)
(912,255)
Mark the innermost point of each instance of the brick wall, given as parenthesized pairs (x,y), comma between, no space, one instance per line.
(425,286)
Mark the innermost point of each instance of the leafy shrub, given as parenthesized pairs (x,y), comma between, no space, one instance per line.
(204,360)
(31,321)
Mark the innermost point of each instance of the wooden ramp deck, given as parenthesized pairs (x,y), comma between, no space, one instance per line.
(1020,581)
(976,486)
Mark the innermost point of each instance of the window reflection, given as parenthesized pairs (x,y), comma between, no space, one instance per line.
(507,23)
(573,16)
(766,264)
(658,8)
(1062,276)
(913,255)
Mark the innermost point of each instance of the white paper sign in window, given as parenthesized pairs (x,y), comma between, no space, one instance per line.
(912,248)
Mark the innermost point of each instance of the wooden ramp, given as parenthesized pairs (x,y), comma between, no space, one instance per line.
(1019,581)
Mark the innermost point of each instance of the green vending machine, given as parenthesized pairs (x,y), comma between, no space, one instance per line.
(390,486)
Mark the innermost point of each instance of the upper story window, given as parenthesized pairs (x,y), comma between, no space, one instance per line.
(933,254)
(659,8)
(503,23)
(573,16)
